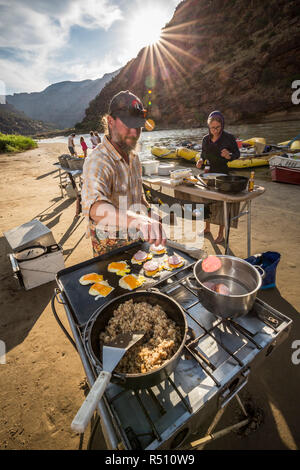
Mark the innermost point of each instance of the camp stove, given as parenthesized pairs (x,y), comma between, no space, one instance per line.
(218,357)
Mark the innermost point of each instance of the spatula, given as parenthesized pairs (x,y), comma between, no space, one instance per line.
(112,354)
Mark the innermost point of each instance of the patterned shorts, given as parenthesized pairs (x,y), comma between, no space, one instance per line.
(102,245)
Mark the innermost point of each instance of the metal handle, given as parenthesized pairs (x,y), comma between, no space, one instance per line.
(191,286)
(153,289)
(259,268)
(89,405)
(232,394)
(14,263)
(57,292)
(52,248)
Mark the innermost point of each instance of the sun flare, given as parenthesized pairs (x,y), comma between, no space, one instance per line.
(145,27)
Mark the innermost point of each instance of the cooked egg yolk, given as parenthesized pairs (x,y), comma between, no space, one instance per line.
(92,277)
(101,289)
(151,273)
(118,265)
(175,265)
(132,282)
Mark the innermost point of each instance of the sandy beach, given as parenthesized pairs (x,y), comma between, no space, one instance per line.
(42,383)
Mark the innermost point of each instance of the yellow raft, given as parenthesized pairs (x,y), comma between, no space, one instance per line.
(164,152)
(188,154)
(255,140)
(247,163)
(294,146)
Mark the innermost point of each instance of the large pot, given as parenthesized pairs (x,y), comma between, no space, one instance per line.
(103,315)
(231,183)
(243,280)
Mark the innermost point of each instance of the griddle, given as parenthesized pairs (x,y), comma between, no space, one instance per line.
(82,304)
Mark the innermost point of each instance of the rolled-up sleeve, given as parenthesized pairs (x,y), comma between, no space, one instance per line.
(97,183)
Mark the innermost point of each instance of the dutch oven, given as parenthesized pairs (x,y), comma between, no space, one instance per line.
(210,178)
(101,318)
(231,183)
(241,278)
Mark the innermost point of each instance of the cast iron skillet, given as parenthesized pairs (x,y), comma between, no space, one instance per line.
(103,315)
(231,184)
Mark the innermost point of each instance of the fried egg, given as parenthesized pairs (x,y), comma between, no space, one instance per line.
(131,281)
(174,262)
(140,257)
(158,250)
(118,267)
(91,278)
(151,268)
(100,289)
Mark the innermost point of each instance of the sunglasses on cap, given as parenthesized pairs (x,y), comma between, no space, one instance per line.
(135,109)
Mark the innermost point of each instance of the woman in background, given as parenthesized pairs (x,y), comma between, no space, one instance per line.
(83,146)
(97,137)
(93,140)
(218,147)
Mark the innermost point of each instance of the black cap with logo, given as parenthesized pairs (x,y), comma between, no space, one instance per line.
(129,108)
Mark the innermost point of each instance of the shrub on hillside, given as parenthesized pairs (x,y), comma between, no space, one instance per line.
(15,143)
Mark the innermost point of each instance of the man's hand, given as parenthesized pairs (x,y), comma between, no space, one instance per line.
(225,154)
(199,163)
(108,216)
(151,229)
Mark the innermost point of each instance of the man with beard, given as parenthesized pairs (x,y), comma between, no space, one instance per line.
(112,195)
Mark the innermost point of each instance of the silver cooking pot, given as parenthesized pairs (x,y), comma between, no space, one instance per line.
(241,278)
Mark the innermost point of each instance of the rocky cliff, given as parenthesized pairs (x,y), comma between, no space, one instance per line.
(240,57)
(13,121)
(62,103)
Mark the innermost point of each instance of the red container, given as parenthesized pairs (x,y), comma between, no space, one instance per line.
(285,175)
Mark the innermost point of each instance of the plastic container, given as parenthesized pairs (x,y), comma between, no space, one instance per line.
(268,261)
(76,163)
(64,160)
(150,167)
(181,173)
(165,168)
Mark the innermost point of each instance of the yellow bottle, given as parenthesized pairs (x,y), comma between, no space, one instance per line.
(251,182)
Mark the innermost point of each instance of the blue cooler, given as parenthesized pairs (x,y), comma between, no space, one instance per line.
(268,261)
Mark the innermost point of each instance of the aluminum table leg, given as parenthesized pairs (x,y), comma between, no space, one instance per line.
(249,228)
(211,436)
(227,225)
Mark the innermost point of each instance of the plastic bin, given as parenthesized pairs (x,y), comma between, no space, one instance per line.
(76,163)
(268,261)
(64,160)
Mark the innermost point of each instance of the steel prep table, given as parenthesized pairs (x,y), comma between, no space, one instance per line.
(201,193)
(218,359)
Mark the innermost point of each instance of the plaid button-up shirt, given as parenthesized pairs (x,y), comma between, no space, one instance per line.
(107,177)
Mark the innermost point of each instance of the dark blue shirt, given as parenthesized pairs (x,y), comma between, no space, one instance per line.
(212,151)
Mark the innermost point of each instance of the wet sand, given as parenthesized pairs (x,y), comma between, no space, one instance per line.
(42,383)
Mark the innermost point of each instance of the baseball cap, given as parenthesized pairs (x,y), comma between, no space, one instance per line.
(129,108)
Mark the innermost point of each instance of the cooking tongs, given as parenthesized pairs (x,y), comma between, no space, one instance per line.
(201,182)
(112,354)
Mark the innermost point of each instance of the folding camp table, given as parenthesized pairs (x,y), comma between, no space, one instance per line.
(194,193)
(72,175)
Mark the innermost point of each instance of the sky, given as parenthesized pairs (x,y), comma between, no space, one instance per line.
(49,41)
